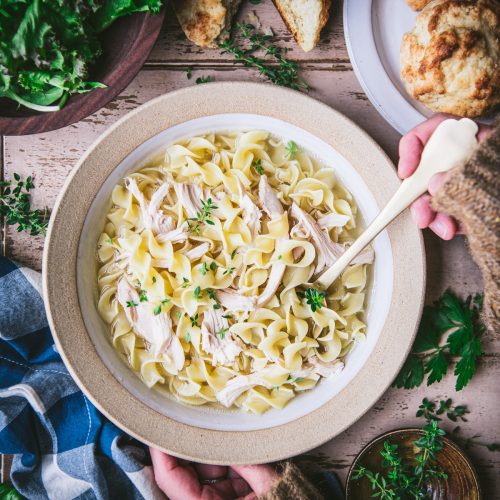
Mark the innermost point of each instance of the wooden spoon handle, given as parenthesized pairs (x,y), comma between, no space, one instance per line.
(449,146)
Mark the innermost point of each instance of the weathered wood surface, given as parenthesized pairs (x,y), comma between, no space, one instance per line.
(51,156)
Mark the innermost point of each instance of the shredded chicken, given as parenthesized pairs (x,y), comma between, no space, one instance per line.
(216,338)
(232,300)
(155,329)
(268,199)
(152,217)
(175,235)
(252,214)
(235,387)
(197,252)
(189,196)
(315,365)
(327,250)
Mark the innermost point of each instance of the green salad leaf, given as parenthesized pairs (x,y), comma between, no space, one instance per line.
(47,47)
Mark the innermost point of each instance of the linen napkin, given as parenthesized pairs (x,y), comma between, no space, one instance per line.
(63,447)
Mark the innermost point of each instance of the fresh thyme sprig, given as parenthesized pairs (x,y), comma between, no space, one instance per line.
(222,333)
(257,165)
(427,409)
(407,479)
(15,207)
(204,79)
(283,73)
(194,320)
(450,327)
(203,216)
(213,296)
(313,297)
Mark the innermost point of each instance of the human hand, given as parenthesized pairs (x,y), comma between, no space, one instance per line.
(183,480)
(411,146)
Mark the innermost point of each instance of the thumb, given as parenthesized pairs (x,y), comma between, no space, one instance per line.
(259,477)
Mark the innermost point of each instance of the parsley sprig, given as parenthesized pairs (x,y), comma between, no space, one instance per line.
(449,328)
(281,71)
(15,207)
(313,297)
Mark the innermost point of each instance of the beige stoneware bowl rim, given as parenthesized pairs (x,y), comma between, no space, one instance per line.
(74,343)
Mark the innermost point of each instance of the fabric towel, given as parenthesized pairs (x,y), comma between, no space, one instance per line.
(63,447)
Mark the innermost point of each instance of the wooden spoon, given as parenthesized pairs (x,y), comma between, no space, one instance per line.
(449,146)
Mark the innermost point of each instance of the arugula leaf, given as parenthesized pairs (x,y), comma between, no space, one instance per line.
(113,9)
(47,47)
(8,492)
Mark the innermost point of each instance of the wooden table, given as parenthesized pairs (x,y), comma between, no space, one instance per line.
(50,157)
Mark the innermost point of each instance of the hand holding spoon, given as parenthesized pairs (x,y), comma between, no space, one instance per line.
(449,146)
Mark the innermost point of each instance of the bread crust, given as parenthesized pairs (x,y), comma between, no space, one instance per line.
(323,18)
(417,4)
(205,21)
(450,61)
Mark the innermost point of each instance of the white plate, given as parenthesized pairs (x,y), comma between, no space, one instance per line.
(374,30)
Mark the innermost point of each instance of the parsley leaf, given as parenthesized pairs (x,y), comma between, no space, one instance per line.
(450,327)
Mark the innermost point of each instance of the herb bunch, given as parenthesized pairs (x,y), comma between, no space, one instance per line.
(278,70)
(47,47)
(449,328)
(15,206)
(407,478)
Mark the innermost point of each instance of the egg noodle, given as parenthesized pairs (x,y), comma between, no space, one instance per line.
(203,269)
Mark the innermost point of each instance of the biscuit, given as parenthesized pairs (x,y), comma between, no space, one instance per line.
(417,4)
(450,61)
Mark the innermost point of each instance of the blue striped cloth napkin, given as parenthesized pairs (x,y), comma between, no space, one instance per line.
(63,447)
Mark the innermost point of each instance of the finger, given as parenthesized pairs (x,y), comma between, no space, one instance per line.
(210,471)
(461,228)
(241,487)
(437,181)
(412,144)
(250,496)
(260,477)
(422,212)
(484,132)
(444,226)
(177,482)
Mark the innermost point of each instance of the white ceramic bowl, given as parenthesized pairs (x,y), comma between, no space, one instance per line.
(205,433)
(211,417)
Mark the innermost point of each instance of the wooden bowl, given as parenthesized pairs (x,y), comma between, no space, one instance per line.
(126,45)
(462,479)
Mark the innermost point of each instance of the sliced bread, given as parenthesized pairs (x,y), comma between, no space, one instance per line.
(305,19)
(205,22)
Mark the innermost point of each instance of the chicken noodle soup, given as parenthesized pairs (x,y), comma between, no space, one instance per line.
(204,263)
